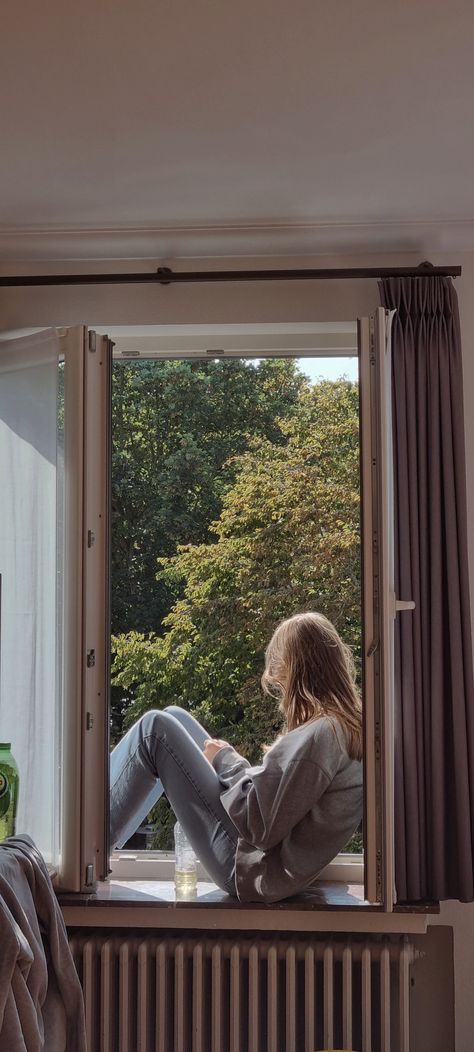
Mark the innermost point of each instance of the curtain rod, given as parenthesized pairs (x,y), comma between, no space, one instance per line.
(165,276)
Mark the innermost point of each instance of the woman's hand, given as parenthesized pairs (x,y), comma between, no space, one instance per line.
(211,746)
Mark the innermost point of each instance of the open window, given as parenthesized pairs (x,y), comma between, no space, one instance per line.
(80,563)
(54,391)
(143,663)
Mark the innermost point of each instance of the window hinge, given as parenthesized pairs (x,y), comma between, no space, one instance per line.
(90,658)
(372,342)
(378,876)
(89,721)
(89,874)
(90,538)
(92,340)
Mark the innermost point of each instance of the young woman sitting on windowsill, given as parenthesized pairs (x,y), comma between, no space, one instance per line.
(260,832)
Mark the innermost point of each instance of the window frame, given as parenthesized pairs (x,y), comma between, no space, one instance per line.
(85,736)
(90,822)
(156,865)
(378,605)
(132,865)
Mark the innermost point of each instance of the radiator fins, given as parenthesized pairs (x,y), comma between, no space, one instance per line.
(175,994)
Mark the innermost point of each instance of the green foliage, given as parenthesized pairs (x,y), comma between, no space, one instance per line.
(163,819)
(356,843)
(176,426)
(286,539)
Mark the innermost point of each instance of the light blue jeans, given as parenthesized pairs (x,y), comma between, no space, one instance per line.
(162,752)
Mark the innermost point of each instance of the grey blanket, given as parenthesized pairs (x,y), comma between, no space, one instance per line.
(41,1005)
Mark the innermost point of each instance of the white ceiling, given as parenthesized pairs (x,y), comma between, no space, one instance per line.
(210,127)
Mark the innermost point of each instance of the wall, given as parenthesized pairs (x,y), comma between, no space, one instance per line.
(432,1028)
(299,301)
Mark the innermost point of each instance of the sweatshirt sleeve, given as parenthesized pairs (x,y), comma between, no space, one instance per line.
(266,802)
(230,765)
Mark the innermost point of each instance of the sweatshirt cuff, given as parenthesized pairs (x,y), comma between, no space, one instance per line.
(229,764)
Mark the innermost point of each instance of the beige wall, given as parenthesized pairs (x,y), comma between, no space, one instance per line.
(302,301)
(432,993)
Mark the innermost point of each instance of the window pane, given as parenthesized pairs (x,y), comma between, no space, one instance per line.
(30,567)
(235,503)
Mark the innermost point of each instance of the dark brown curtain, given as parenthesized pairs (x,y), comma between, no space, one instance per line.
(434,745)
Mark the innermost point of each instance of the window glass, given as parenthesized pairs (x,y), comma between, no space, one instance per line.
(31,474)
(235,503)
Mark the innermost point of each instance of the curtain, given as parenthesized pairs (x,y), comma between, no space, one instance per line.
(434,691)
(30,477)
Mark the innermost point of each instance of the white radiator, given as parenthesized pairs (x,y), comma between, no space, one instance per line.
(194,994)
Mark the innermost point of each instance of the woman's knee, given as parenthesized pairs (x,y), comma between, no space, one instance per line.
(157,728)
(175,710)
(188,722)
(153,722)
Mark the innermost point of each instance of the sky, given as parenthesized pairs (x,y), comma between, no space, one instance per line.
(329,368)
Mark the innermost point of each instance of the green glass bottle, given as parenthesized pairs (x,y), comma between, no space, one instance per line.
(9,783)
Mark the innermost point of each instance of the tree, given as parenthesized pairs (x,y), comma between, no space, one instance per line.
(287,539)
(176,426)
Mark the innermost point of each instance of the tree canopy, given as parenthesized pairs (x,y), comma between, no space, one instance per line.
(177,425)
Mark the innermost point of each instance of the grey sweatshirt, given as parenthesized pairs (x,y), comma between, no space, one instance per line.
(293,813)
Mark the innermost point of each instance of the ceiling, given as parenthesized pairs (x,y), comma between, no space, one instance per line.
(201,127)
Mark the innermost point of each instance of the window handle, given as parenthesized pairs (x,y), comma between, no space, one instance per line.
(404,604)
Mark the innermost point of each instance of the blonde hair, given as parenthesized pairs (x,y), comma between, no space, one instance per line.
(311,672)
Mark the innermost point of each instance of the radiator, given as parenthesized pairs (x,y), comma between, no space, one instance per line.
(222,994)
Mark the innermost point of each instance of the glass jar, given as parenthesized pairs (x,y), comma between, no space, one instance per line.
(9,785)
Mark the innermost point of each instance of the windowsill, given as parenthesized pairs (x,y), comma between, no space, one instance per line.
(329,906)
(327,895)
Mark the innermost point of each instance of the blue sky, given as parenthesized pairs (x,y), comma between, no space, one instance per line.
(329,368)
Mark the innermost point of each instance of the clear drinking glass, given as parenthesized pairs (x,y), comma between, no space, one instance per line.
(185,872)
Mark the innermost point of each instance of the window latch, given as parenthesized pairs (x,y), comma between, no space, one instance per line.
(404,604)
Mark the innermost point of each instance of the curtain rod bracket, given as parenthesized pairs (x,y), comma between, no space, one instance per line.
(164,272)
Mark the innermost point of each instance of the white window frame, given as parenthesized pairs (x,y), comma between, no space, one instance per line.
(378,606)
(85,806)
(159,865)
(375,870)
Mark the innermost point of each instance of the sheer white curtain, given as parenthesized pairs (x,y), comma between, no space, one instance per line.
(30,566)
